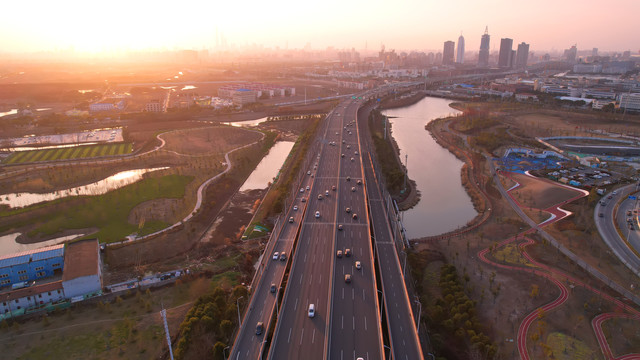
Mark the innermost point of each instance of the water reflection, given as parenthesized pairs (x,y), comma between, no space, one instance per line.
(246,123)
(8,244)
(268,167)
(103,186)
(444,204)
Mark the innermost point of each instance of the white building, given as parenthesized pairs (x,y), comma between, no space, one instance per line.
(630,101)
(15,302)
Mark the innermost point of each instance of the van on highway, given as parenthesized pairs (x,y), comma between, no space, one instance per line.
(259,328)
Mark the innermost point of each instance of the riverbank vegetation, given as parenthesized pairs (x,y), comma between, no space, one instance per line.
(456,331)
(387,155)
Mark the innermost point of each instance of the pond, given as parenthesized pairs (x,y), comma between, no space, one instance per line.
(123,178)
(269,166)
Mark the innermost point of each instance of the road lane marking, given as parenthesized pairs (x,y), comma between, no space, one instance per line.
(342,316)
(362,294)
(354,324)
(301,336)
(365,323)
(313,337)
(353,294)
(289,338)
(295,306)
(342,293)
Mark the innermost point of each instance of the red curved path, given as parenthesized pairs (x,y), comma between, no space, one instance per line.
(553,274)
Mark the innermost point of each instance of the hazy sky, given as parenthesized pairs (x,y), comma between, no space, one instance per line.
(30,25)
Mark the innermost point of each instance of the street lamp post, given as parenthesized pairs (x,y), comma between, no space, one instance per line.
(238,308)
(419,313)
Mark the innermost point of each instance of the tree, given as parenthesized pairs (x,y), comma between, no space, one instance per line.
(226,327)
(218,350)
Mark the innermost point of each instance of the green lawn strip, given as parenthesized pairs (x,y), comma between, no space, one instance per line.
(113,149)
(84,153)
(95,150)
(76,152)
(66,153)
(109,212)
(104,150)
(48,154)
(16,157)
(37,156)
(57,153)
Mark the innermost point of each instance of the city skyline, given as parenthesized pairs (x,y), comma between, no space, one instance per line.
(410,25)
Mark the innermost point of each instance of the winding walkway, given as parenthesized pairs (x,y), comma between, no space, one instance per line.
(199,195)
(557,277)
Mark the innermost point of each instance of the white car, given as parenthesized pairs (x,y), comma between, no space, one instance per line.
(317,214)
(309,172)
(295,208)
(358,265)
(301,190)
(312,310)
(307,187)
(275,255)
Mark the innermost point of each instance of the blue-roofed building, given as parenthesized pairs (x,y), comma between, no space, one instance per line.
(26,266)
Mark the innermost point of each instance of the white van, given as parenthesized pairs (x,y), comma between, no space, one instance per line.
(312,310)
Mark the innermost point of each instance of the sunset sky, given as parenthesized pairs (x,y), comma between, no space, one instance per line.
(94,26)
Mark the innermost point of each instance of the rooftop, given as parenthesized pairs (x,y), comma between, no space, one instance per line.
(32,255)
(81,259)
(32,290)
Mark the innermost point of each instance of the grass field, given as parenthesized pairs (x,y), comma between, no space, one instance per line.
(109,212)
(78,152)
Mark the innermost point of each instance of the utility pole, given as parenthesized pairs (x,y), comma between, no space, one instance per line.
(163,313)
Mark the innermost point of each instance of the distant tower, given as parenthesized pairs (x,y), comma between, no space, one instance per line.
(504,58)
(448,52)
(483,56)
(460,52)
(522,56)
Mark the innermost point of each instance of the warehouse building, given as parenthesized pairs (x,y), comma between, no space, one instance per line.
(72,272)
(18,269)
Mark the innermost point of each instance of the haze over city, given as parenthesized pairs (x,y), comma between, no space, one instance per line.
(405,25)
(354,179)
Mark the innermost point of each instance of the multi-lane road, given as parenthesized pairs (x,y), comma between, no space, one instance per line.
(332,264)
(346,322)
(607,227)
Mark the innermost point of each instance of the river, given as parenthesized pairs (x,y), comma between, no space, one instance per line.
(444,203)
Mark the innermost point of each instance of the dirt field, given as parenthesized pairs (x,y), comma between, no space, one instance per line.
(539,194)
(200,141)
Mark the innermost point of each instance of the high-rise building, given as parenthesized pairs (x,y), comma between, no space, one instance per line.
(504,58)
(460,52)
(483,56)
(571,54)
(522,56)
(448,53)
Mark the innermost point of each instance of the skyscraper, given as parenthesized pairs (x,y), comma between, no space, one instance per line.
(570,54)
(483,56)
(522,56)
(448,53)
(460,52)
(504,58)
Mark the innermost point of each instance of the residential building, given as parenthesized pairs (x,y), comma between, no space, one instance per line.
(460,52)
(522,55)
(504,57)
(448,53)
